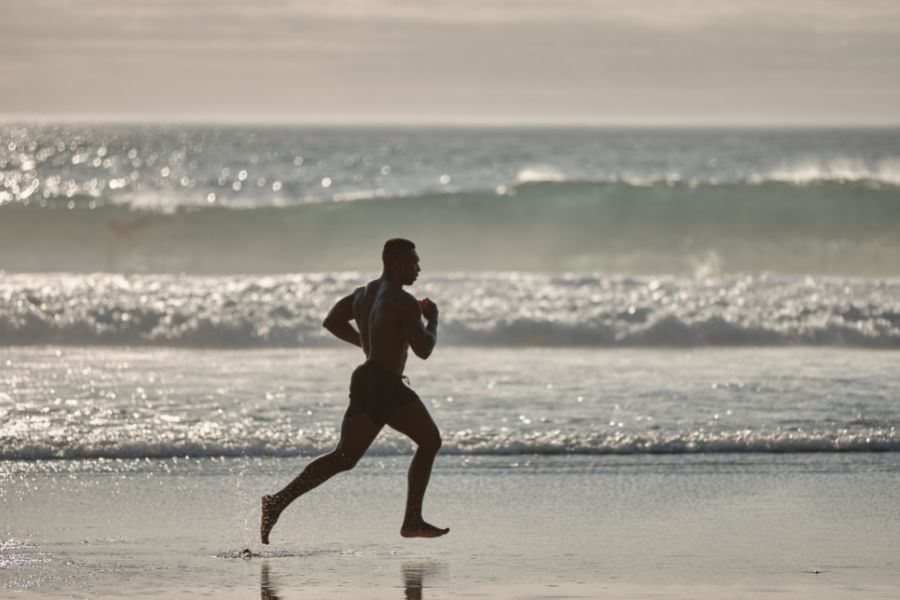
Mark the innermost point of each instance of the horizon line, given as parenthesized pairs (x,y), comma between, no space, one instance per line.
(437,122)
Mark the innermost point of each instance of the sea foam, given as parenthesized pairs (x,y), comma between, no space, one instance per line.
(491,309)
(462,443)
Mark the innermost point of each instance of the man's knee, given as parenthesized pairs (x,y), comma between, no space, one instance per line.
(431,442)
(346,461)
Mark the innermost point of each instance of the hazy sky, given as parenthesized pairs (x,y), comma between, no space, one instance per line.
(579,61)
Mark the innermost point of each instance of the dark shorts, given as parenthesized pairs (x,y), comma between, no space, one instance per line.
(378,393)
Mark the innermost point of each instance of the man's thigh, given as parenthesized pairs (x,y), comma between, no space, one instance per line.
(358,432)
(414,421)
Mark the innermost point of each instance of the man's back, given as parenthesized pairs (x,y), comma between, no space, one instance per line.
(378,310)
(363,300)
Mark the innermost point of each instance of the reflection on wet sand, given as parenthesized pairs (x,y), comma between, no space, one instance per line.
(414,574)
(266,590)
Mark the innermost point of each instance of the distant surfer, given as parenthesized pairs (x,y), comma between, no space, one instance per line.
(122,238)
(124,229)
(390,322)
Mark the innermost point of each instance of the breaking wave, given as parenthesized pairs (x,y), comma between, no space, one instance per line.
(490,309)
(468,442)
(826,228)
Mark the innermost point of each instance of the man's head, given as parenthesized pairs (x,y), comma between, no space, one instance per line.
(401,262)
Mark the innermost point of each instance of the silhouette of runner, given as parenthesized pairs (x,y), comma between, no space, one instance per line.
(390,322)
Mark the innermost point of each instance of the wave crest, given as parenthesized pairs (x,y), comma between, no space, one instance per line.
(827,228)
(469,442)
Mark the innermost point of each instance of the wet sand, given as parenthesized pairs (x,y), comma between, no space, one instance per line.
(724,526)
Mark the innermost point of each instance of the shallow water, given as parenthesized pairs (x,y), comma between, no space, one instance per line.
(161,402)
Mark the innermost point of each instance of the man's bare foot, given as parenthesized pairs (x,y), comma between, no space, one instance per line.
(422,529)
(268,518)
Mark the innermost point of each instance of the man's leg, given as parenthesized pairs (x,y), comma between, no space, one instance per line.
(357,433)
(414,421)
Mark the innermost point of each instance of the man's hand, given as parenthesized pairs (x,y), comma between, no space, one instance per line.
(421,338)
(429,309)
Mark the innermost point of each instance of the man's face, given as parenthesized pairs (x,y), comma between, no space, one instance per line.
(407,265)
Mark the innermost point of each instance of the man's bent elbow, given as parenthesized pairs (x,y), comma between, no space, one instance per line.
(422,353)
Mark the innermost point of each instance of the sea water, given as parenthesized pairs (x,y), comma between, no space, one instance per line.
(601,291)
(585,279)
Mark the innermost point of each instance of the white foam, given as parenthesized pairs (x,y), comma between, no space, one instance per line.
(534,310)
(481,442)
(847,169)
(542,172)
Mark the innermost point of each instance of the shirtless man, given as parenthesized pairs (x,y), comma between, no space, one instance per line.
(390,322)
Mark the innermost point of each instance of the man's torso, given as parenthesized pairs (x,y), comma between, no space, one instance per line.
(377,311)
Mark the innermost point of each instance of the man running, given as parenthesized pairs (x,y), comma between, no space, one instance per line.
(390,322)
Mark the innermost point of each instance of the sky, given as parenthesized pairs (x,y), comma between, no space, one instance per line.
(605,62)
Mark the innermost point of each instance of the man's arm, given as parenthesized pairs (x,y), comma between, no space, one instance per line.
(338,321)
(421,338)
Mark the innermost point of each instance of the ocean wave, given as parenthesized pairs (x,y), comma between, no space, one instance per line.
(165,167)
(886,172)
(681,228)
(493,309)
(469,442)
